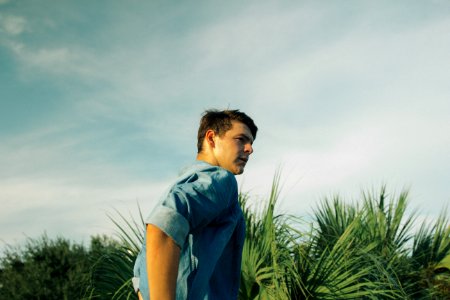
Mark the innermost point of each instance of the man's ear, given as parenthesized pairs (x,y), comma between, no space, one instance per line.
(209,138)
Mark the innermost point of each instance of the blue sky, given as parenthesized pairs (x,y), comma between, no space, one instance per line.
(100,102)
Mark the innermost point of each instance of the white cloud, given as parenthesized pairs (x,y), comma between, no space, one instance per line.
(321,166)
(57,61)
(74,211)
(66,153)
(366,63)
(370,148)
(30,194)
(12,25)
(52,181)
(250,36)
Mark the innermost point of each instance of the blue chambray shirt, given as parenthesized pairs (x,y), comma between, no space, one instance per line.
(201,213)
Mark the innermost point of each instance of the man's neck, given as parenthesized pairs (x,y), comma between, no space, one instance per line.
(207,158)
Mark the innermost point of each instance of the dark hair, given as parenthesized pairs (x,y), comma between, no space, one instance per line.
(220,122)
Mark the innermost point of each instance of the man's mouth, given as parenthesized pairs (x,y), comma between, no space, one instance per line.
(243,159)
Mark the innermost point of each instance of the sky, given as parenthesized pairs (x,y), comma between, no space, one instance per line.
(100,103)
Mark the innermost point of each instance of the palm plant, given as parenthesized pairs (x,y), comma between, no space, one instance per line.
(267,262)
(430,260)
(334,262)
(112,273)
(333,217)
(329,262)
(340,272)
(377,240)
(386,225)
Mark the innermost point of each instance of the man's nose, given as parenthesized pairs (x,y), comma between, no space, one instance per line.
(248,148)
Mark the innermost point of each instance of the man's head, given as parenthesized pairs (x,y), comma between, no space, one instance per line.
(225,139)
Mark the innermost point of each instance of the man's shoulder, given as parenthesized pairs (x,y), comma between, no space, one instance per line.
(215,175)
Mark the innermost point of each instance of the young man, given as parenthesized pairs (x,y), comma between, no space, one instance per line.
(194,236)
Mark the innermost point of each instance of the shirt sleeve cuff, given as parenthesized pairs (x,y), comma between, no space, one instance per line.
(172,223)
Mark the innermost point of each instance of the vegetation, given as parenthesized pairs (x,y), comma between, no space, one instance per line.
(365,250)
(50,269)
(349,252)
(111,275)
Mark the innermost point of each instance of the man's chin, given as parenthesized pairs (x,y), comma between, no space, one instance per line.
(238,171)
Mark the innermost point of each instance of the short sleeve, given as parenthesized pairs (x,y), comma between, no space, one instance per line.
(193,202)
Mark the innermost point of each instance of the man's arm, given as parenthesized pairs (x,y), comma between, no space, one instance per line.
(163,256)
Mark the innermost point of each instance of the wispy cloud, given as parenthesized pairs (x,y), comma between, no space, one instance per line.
(31,207)
(55,61)
(12,25)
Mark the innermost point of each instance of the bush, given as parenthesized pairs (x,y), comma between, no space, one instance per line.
(49,269)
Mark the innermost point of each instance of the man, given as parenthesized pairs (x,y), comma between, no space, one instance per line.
(194,236)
